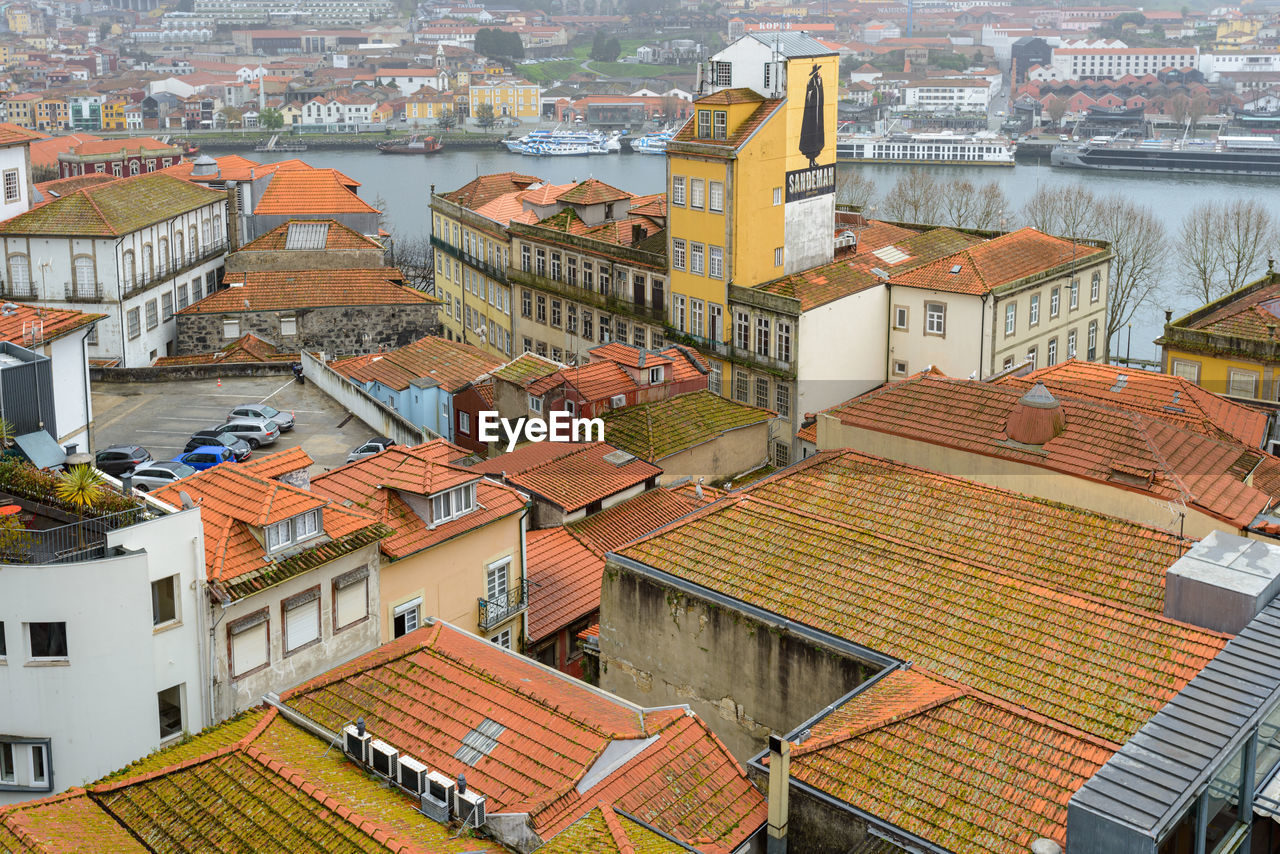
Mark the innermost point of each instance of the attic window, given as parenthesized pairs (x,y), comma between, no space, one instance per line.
(480,742)
(456,502)
(292,531)
(306,235)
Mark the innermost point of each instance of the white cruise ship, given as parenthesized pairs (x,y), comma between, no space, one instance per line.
(941,148)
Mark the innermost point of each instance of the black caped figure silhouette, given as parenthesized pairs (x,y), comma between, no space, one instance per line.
(812,132)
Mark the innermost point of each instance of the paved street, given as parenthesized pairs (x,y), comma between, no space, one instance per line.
(161,416)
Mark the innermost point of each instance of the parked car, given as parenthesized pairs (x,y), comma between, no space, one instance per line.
(206,457)
(238,446)
(1062,137)
(256,431)
(118,459)
(284,420)
(376,445)
(159,474)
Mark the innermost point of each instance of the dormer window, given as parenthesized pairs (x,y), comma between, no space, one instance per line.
(655,375)
(459,501)
(704,124)
(721,121)
(292,531)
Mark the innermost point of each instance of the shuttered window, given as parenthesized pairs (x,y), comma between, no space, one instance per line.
(350,598)
(301,620)
(249,644)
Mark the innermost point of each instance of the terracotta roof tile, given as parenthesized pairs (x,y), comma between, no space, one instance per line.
(603,831)
(1127,449)
(431,360)
(999,261)
(246,348)
(19,326)
(65,186)
(113,208)
(553,731)
(337,238)
(526,369)
(1254,316)
(486,188)
(309,191)
(961,769)
(594,381)
(276,290)
(569,474)
(113,146)
(378,483)
(687,135)
(592,191)
(655,431)
(1035,603)
(506,209)
(1162,396)
(278,464)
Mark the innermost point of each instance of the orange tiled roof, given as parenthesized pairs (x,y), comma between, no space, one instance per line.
(526,369)
(296,191)
(451,365)
(11,134)
(999,261)
(1162,396)
(19,326)
(112,146)
(231,167)
(337,238)
(926,754)
(62,186)
(506,209)
(276,290)
(377,483)
(569,474)
(629,356)
(272,466)
(654,431)
(113,208)
(1254,315)
(246,348)
(739,135)
(486,188)
(44,152)
(594,381)
(1126,449)
(546,194)
(234,500)
(274,782)
(593,191)
(1038,604)
(554,731)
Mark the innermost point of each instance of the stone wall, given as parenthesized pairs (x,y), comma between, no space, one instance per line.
(744,676)
(166,373)
(815,826)
(340,330)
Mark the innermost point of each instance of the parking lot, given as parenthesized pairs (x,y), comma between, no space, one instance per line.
(161,416)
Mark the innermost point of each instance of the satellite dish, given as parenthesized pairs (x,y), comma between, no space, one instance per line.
(187,503)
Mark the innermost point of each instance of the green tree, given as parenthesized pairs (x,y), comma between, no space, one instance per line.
(612,50)
(514,47)
(271,119)
(447,119)
(484,116)
(81,487)
(599,45)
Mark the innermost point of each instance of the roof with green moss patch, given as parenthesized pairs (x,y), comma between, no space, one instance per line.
(654,431)
(114,208)
(604,831)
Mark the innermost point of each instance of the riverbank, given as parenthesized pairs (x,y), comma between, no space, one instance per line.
(340,141)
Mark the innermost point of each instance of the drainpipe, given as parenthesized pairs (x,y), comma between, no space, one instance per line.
(982,333)
(888,338)
(88,412)
(779,793)
(120,303)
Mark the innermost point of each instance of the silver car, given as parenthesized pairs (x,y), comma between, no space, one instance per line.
(159,474)
(261,410)
(256,431)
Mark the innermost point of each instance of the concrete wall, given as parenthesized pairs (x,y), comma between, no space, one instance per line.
(834,363)
(338,330)
(660,646)
(73,406)
(957,351)
(285,671)
(383,420)
(728,454)
(305,259)
(815,826)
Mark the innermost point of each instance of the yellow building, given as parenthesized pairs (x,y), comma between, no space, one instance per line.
(508,96)
(20,109)
(52,113)
(113,117)
(19,19)
(292,114)
(1230,346)
(456,551)
(427,105)
(1237,31)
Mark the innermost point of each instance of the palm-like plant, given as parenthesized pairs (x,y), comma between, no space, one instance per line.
(6,433)
(81,487)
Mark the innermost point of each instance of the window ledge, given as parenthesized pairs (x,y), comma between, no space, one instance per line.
(48,662)
(165,626)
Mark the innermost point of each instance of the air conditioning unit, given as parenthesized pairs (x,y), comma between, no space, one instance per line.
(356,745)
(437,797)
(469,808)
(382,757)
(618,400)
(411,774)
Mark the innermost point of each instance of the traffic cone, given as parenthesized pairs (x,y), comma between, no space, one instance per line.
(219,382)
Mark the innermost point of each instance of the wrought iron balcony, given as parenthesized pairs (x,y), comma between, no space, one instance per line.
(495,272)
(494,612)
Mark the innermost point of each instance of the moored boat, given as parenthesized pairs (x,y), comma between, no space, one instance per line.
(412,145)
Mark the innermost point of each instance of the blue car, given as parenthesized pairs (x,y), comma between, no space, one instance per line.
(206,457)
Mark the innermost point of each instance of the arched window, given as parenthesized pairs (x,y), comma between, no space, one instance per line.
(86,278)
(178,259)
(148,261)
(133,167)
(20,276)
(164,254)
(194,237)
(217,229)
(128,268)
(204,233)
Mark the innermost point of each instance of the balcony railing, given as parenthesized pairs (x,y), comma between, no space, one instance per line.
(78,541)
(494,612)
(473,261)
(602,302)
(165,270)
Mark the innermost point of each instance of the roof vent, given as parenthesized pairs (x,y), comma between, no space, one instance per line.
(1036,418)
(204,165)
(1222,582)
(8,309)
(618,458)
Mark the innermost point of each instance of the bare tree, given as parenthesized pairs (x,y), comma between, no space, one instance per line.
(1199,252)
(991,208)
(854,188)
(1138,246)
(1057,109)
(1222,246)
(1065,210)
(1179,105)
(914,198)
(958,202)
(1198,109)
(414,256)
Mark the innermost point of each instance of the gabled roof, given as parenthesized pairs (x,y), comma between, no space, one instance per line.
(791,44)
(21,324)
(246,348)
(739,134)
(526,369)
(486,188)
(926,754)
(309,191)
(655,431)
(235,502)
(331,236)
(113,208)
(593,191)
(571,475)
(548,734)
(1036,603)
(606,831)
(271,780)
(1126,449)
(1253,313)
(628,356)
(1162,396)
(379,483)
(594,381)
(430,361)
(279,290)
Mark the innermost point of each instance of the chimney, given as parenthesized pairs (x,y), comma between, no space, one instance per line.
(779,793)
(1036,418)
(637,233)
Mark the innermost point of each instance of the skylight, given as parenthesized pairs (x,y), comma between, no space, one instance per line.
(307,235)
(480,742)
(891,254)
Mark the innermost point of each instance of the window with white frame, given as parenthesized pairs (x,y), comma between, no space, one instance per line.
(449,505)
(24,764)
(464,423)
(720,124)
(696,190)
(1075,294)
(696,307)
(153,317)
(164,601)
(777,257)
(899,368)
(502,639)
(722,74)
(715,196)
(935,318)
(288,326)
(405,617)
(777,196)
(47,641)
(1055,300)
(301,617)
(1242,383)
(715,262)
(292,531)
(1051,356)
(742,330)
(1033,312)
(1032,355)
(762,336)
(535,403)
(1095,286)
(1010,318)
(20,276)
(900,316)
(677,309)
(169,708)
(230,328)
(1189,371)
(695,258)
(715,383)
(12,186)
(250,639)
(1071,344)
(784,341)
(85,276)
(1092,352)
(497,580)
(677,190)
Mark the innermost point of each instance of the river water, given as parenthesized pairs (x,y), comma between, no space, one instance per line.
(404,182)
